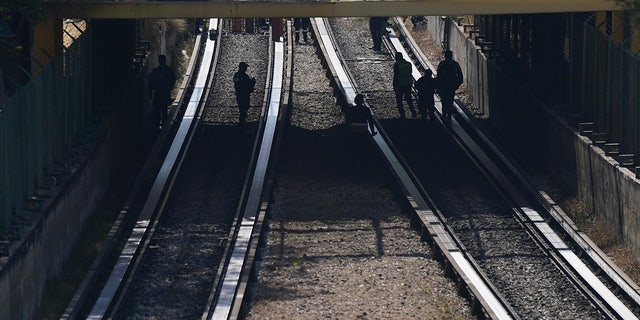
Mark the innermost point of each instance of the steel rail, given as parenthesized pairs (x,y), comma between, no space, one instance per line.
(493,306)
(484,152)
(590,249)
(239,264)
(138,240)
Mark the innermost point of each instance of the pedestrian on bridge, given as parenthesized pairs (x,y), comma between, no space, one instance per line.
(244,86)
(402,83)
(449,80)
(161,80)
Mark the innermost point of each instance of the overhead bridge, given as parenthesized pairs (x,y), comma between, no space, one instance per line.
(313,8)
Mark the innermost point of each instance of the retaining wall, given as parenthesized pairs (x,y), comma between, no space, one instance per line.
(46,245)
(539,136)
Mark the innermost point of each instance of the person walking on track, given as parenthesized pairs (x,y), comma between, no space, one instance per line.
(449,80)
(426,87)
(301,25)
(402,83)
(377,27)
(161,80)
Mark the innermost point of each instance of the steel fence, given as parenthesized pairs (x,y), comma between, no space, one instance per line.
(604,82)
(39,126)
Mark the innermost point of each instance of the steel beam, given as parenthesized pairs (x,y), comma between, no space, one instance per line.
(317,8)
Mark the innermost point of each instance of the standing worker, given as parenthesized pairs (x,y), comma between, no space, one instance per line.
(377,25)
(426,87)
(244,86)
(301,25)
(449,80)
(402,81)
(162,79)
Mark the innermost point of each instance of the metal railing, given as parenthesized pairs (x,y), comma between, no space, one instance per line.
(40,126)
(583,64)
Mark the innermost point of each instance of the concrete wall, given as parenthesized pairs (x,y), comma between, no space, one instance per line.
(45,246)
(610,191)
(536,134)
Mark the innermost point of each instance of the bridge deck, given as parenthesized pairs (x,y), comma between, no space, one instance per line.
(316,8)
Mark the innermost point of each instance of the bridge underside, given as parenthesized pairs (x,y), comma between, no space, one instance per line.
(319,8)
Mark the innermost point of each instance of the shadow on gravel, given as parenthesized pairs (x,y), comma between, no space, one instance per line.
(334,175)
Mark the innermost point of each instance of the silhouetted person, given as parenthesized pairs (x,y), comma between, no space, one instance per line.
(449,80)
(418,21)
(402,81)
(426,87)
(162,79)
(244,86)
(359,115)
(301,25)
(377,26)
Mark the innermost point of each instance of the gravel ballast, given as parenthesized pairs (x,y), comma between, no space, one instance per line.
(339,244)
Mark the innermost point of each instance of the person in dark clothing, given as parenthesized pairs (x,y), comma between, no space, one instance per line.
(377,26)
(418,21)
(301,25)
(402,82)
(162,79)
(449,80)
(359,115)
(243,85)
(426,87)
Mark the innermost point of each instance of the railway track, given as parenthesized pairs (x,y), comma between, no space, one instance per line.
(590,271)
(458,188)
(189,215)
(489,301)
(530,270)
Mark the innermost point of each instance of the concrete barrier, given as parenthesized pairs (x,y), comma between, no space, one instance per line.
(45,245)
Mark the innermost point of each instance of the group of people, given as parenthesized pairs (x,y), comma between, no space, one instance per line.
(301,25)
(449,78)
(162,80)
